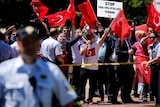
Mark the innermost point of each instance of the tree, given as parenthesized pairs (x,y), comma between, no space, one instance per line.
(19,11)
(136,8)
(14,11)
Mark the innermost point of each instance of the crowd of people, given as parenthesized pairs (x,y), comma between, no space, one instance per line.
(33,69)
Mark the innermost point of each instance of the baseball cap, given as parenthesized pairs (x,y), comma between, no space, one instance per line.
(28,31)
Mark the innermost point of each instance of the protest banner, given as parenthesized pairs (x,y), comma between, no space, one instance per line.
(108,9)
(156,4)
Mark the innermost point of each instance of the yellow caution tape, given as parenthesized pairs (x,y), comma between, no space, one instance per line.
(96,64)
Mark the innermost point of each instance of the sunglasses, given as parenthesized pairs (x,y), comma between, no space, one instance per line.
(65,30)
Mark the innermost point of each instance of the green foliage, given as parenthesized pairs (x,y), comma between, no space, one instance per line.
(78,14)
(19,11)
(136,8)
(77,101)
(136,3)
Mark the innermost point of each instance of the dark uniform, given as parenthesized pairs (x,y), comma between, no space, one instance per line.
(154,52)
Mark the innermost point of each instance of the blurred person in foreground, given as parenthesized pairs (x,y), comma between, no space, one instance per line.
(27,81)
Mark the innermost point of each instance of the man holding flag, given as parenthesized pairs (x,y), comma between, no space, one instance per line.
(123,48)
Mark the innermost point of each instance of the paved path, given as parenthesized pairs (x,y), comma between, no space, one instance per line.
(105,104)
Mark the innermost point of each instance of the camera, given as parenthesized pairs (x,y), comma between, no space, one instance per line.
(35,22)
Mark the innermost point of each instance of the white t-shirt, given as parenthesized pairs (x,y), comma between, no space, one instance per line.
(50,48)
(77,58)
(91,56)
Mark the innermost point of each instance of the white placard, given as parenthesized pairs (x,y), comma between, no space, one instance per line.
(156,3)
(108,9)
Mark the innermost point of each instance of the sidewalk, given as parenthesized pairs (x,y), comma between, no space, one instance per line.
(106,104)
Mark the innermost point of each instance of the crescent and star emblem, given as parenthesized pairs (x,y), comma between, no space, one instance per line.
(59,18)
(119,23)
(89,53)
(156,20)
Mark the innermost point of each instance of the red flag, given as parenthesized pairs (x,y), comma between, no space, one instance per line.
(71,12)
(142,70)
(141,27)
(57,19)
(153,19)
(39,9)
(120,26)
(87,14)
(82,22)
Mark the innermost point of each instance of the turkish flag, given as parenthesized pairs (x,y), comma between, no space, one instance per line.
(153,19)
(71,12)
(39,9)
(141,27)
(142,73)
(87,14)
(57,19)
(82,22)
(120,26)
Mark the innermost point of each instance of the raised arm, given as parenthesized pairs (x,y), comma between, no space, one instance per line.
(106,32)
(72,42)
(83,51)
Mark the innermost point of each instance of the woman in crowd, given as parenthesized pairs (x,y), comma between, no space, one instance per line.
(141,55)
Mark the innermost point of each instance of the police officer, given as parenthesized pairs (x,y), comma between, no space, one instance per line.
(154,64)
(27,81)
